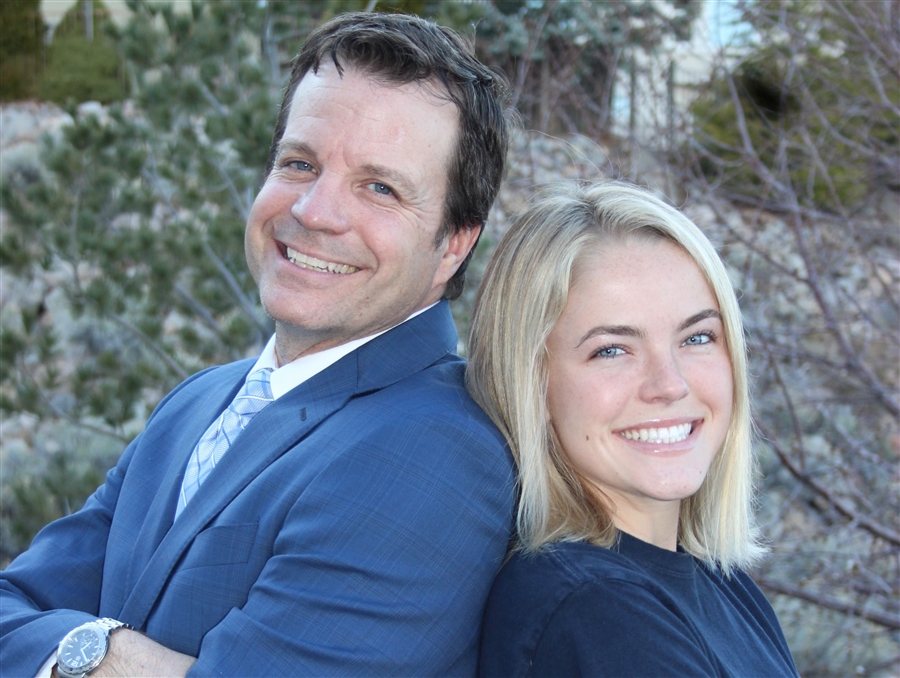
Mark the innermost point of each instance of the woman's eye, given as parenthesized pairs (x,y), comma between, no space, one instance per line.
(380,188)
(609,352)
(698,339)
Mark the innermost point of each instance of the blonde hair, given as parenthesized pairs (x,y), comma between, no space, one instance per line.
(523,293)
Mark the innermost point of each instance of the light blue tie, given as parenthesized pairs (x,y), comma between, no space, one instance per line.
(250,400)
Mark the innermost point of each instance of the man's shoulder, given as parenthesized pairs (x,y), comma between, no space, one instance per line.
(433,399)
(443,380)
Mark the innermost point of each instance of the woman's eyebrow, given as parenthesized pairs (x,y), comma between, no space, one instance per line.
(629,331)
(617,330)
(697,317)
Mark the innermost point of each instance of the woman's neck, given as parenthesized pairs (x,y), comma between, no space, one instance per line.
(657,525)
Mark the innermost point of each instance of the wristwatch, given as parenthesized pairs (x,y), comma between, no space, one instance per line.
(84,647)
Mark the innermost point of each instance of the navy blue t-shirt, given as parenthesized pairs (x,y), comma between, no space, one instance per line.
(634,610)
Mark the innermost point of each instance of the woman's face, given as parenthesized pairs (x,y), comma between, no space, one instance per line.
(640,391)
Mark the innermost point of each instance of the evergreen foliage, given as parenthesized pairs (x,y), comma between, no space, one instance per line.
(79,69)
(31,501)
(562,57)
(21,48)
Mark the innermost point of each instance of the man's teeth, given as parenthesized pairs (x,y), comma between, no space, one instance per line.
(313,264)
(671,434)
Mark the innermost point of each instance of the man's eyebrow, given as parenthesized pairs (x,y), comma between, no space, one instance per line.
(616,330)
(289,146)
(697,317)
(392,177)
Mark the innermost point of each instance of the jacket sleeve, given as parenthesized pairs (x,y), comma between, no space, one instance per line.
(383,565)
(55,585)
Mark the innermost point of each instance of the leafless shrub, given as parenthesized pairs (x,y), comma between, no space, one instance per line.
(803,198)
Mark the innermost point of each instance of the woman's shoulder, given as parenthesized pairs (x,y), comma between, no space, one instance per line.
(568,564)
(578,609)
(551,608)
(571,565)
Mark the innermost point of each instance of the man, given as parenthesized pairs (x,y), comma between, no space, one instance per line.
(355,525)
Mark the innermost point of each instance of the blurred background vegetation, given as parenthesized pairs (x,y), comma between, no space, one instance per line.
(777,130)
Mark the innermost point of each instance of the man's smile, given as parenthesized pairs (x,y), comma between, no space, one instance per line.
(313,264)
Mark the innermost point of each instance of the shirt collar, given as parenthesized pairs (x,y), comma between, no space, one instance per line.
(287,377)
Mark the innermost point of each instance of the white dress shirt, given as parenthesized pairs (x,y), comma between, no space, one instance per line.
(287,377)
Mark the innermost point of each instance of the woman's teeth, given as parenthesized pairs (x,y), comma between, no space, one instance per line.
(670,434)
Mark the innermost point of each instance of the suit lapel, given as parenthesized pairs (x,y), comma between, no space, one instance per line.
(272,432)
(405,350)
(209,395)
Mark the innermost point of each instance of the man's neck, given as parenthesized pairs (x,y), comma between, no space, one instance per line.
(291,344)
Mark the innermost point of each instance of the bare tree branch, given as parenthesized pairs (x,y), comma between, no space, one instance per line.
(843,507)
(525,60)
(891,621)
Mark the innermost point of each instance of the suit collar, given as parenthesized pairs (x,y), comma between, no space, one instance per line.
(287,377)
(408,348)
(395,355)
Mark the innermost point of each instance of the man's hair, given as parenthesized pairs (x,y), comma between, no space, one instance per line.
(400,49)
(522,296)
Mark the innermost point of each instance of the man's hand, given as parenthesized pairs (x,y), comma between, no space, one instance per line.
(132,654)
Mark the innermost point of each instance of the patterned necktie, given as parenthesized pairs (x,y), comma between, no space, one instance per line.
(250,400)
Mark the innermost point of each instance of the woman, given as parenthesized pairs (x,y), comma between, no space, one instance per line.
(607,345)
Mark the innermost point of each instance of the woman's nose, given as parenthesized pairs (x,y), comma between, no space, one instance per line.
(664,380)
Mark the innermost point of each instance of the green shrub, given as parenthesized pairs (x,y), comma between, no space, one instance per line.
(20,49)
(82,70)
(30,501)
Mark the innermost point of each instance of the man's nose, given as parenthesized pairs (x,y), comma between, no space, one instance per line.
(664,380)
(323,204)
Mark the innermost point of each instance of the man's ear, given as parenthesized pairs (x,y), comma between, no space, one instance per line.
(456,250)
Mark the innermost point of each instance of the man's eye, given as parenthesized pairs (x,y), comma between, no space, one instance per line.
(299,165)
(383,189)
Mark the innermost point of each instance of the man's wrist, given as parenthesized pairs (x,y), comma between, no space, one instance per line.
(85,647)
(48,668)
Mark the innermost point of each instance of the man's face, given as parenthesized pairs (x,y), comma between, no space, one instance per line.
(341,237)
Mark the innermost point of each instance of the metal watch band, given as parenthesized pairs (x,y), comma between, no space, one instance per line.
(106,624)
(112,624)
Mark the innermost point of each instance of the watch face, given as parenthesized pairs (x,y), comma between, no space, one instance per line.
(82,649)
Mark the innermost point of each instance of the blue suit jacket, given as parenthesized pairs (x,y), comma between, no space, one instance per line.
(353,528)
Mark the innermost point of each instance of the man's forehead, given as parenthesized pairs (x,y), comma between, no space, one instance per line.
(357,107)
(399,134)
(430,91)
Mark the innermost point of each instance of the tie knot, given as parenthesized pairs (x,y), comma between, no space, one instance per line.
(255,394)
(260,383)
